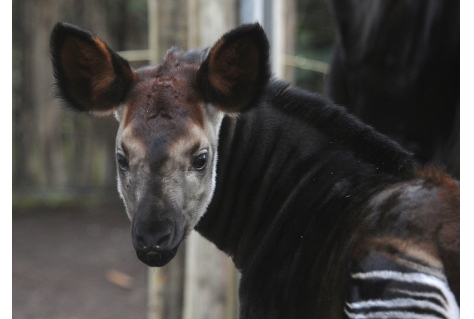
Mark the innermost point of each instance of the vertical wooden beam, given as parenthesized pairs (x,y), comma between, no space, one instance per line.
(153,32)
(191,283)
(155,292)
(258,11)
(192,242)
(278,38)
(278,19)
(289,12)
(251,11)
(206,294)
(210,286)
(193,24)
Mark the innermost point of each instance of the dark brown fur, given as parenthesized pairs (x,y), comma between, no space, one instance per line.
(305,194)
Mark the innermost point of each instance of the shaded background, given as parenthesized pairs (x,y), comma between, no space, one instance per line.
(56,150)
(72,252)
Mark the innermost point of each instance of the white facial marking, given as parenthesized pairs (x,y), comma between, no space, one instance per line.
(187,190)
(136,156)
(190,189)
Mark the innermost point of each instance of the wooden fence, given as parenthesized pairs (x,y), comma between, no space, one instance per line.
(57,154)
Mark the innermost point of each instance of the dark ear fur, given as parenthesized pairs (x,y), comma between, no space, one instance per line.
(89,76)
(236,70)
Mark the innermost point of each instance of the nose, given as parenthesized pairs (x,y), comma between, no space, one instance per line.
(151,238)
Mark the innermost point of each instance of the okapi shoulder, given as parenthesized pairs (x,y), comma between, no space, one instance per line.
(335,122)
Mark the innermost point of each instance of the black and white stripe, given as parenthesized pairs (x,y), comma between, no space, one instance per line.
(398,294)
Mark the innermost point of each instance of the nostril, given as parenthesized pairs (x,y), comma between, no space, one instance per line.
(152,239)
(161,242)
(141,243)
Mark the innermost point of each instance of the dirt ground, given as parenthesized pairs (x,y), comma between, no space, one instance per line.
(75,263)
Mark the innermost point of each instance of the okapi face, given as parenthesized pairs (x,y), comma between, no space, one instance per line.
(169,115)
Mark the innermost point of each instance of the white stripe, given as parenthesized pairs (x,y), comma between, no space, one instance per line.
(422,294)
(390,314)
(452,306)
(399,303)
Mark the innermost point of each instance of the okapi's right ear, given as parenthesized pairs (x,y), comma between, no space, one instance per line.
(236,69)
(89,76)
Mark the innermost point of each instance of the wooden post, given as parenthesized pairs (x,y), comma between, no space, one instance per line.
(288,47)
(156,280)
(278,19)
(210,286)
(155,293)
(153,32)
(278,38)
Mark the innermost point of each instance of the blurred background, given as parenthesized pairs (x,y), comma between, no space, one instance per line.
(395,65)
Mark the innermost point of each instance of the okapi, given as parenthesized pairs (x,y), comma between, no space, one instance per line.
(323,216)
(396,66)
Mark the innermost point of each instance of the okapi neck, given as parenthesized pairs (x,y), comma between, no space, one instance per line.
(281,181)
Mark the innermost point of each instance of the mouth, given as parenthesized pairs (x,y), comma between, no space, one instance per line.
(157,258)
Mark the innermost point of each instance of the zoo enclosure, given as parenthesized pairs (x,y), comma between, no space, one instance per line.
(61,158)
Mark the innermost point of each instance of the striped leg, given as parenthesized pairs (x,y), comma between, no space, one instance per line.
(383,286)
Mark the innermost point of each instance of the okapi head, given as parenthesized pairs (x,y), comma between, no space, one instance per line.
(169,115)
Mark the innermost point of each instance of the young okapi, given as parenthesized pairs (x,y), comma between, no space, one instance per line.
(323,216)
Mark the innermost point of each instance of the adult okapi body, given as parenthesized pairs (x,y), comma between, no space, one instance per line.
(323,216)
(396,66)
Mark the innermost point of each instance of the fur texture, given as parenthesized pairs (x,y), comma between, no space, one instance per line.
(321,214)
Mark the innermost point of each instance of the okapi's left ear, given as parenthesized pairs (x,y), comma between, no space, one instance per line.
(236,70)
(89,76)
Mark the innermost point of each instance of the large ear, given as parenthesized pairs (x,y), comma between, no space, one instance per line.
(89,76)
(236,70)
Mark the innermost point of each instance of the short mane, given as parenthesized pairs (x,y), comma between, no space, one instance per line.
(343,127)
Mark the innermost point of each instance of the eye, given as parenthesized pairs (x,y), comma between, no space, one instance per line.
(200,161)
(122,162)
